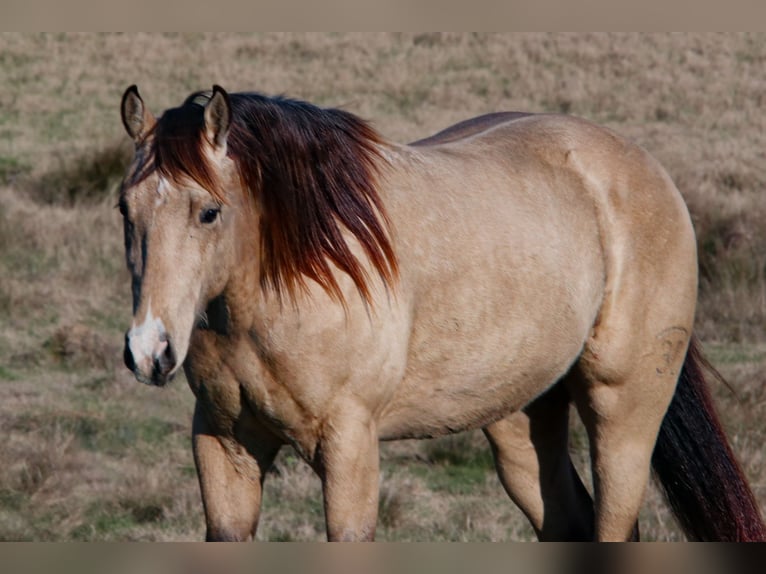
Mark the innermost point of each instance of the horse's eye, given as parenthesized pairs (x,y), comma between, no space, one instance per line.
(123,207)
(209,215)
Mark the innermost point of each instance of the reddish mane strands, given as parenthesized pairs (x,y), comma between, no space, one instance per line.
(312,173)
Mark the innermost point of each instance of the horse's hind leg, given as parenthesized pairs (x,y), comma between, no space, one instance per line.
(533,463)
(622,396)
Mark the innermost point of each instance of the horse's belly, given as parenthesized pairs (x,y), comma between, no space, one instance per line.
(461,380)
(429,408)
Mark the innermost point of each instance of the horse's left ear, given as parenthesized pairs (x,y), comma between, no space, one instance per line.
(135,117)
(218,119)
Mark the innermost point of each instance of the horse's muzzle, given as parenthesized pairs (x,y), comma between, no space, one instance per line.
(154,364)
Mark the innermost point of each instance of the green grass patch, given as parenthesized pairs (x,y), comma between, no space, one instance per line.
(452,479)
(103,520)
(119,436)
(455,464)
(734,354)
(112,435)
(11,499)
(307,510)
(8,375)
(11,168)
(459,450)
(188,470)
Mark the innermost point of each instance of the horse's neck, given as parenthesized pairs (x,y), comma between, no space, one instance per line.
(248,304)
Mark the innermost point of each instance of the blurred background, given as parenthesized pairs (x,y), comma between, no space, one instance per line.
(89,454)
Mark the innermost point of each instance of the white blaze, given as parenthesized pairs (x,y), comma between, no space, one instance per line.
(147,340)
(161,192)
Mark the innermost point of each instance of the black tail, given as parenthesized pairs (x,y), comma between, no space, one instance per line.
(702,481)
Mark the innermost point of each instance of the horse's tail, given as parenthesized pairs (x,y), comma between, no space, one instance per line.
(703,483)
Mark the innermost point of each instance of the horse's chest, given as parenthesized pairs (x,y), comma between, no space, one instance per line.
(289,389)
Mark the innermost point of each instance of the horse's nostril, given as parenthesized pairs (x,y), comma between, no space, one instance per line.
(166,360)
(171,352)
(127,355)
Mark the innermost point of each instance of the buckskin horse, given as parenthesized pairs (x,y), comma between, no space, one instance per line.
(325,288)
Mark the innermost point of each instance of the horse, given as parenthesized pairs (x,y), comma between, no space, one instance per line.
(328,289)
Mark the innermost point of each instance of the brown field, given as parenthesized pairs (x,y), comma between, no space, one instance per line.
(89,454)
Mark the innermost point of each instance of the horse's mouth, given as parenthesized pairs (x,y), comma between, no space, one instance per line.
(156,379)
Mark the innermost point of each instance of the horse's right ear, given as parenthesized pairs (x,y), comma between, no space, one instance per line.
(218,119)
(135,117)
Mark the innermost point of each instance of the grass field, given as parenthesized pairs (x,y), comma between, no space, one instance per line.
(89,454)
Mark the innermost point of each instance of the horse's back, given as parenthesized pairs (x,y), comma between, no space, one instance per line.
(470,127)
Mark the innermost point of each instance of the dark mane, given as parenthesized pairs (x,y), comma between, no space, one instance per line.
(312,173)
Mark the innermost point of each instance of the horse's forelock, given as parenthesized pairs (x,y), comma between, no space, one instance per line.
(175,148)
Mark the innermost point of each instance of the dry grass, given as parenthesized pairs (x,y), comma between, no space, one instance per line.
(90,455)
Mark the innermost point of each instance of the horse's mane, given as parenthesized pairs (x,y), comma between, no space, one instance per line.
(311,171)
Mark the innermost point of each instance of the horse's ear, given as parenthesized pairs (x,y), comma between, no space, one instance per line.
(218,119)
(135,117)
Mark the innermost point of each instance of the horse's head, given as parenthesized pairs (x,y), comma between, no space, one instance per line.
(179,238)
(273,184)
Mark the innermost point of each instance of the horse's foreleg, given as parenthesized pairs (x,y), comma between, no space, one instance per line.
(231,479)
(348,466)
(533,463)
